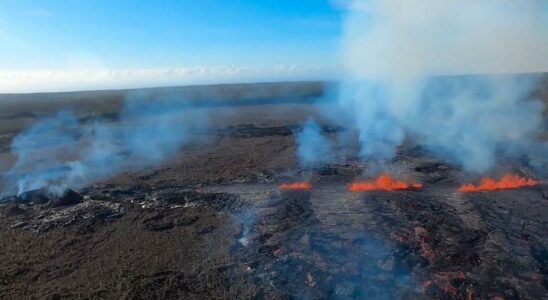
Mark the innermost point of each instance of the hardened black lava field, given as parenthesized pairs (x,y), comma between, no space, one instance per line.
(212,222)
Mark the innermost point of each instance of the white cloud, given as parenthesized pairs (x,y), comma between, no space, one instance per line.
(96,79)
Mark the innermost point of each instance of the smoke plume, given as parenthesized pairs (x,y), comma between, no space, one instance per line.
(62,152)
(313,147)
(405,62)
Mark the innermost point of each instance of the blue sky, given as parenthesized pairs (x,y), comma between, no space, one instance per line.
(121,34)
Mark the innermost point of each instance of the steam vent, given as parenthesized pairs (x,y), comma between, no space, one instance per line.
(337,149)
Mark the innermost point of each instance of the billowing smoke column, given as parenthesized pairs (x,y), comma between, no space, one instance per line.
(59,152)
(313,146)
(404,61)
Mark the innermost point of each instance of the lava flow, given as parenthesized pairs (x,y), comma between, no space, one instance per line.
(296,186)
(383,183)
(507,182)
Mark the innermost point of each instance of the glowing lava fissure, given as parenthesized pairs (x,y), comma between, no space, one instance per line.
(296,186)
(507,182)
(383,183)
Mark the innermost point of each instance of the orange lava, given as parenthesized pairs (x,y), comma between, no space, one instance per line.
(383,183)
(507,182)
(295,186)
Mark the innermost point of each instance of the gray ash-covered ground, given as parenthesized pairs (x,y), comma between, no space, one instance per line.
(212,223)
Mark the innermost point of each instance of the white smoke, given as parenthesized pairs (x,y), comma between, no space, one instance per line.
(414,38)
(61,151)
(404,60)
(313,146)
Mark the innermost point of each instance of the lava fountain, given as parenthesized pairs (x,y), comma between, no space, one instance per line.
(296,186)
(383,183)
(507,182)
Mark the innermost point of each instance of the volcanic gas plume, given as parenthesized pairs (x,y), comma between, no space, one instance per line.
(438,71)
(507,182)
(147,132)
(383,183)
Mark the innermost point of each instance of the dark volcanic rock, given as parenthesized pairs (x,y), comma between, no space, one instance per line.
(252,131)
(9,199)
(39,196)
(186,220)
(68,198)
(159,226)
(216,201)
(435,172)
(12,209)
(43,196)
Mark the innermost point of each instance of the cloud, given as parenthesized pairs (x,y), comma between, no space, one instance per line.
(94,79)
